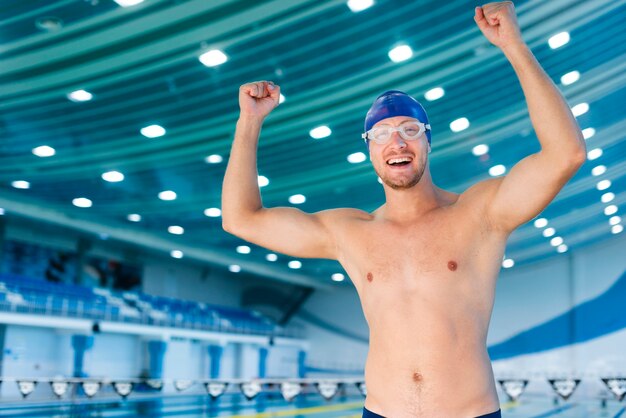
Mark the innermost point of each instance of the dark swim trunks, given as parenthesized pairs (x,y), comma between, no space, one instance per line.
(369,414)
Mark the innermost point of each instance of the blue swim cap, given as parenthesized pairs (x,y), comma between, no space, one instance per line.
(395,103)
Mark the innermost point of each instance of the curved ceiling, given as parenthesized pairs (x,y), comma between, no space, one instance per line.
(141,65)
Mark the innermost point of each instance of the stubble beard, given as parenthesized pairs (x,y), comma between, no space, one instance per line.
(403,183)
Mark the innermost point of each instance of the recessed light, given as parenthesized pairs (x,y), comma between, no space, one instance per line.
(614,220)
(243,249)
(558,40)
(479,150)
(434,94)
(400,53)
(588,133)
(297,199)
(44,151)
(134,217)
(294,264)
(497,170)
(1,211)
(598,170)
(281,98)
(214,159)
(262,181)
(176,230)
(556,241)
(607,197)
(113,176)
(507,263)
(82,202)
(213,212)
(128,3)
(357,157)
(320,132)
(20,184)
(594,154)
(176,254)
(234,268)
(610,210)
(561,248)
(359,5)
(603,184)
(580,109)
(167,195)
(616,229)
(459,125)
(213,58)
(152,131)
(570,78)
(80,96)
(541,222)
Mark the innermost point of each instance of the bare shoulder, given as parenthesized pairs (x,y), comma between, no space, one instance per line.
(477,197)
(335,217)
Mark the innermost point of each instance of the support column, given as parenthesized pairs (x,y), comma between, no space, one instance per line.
(156,353)
(263,352)
(215,354)
(80,344)
(301,363)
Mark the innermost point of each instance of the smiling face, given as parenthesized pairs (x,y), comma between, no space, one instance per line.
(399,163)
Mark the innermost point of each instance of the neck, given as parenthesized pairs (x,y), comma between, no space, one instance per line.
(409,204)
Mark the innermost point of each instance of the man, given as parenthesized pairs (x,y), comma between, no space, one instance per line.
(425,263)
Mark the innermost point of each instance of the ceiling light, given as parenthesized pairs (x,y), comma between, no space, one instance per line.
(558,40)
(176,230)
(561,248)
(541,222)
(614,220)
(607,197)
(152,131)
(271,257)
(297,199)
(357,157)
(20,184)
(214,159)
(128,3)
(294,264)
(262,181)
(358,5)
(44,151)
(337,277)
(616,229)
(479,150)
(213,212)
(176,254)
(610,210)
(80,96)
(548,232)
(167,195)
(243,249)
(556,241)
(603,184)
(1,211)
(213,58)
(400,53)
(497,170)
(507,263)
(598,170)
(82,202)
(112,176)
(380,180)
(434,94)
(281,98)
(580,109)
(459,125)
(594,154)
(320,132)
(134,217)
(588,133)
(570,78)
(234,268)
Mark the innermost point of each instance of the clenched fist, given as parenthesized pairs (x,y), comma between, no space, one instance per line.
(497,21)
(258,99)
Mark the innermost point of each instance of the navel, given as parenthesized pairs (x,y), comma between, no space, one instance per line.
(370,277)
(452,265)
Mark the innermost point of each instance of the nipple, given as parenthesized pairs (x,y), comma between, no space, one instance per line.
(370,277)
(452,265)
(417,377)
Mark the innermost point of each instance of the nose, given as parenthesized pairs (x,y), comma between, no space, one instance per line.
(396,141)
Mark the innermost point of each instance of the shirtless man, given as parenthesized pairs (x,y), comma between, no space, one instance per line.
(425,263)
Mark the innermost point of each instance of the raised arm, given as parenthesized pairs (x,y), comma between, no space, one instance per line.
(534,181)
(286,230)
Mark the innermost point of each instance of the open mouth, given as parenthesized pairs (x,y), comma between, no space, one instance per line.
(399,161)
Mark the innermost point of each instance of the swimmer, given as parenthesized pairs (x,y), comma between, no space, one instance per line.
(424,263)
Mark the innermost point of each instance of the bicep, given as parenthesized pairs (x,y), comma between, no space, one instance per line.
(527,189)
(289,231)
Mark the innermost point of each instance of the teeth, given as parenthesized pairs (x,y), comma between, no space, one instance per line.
(398,160)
